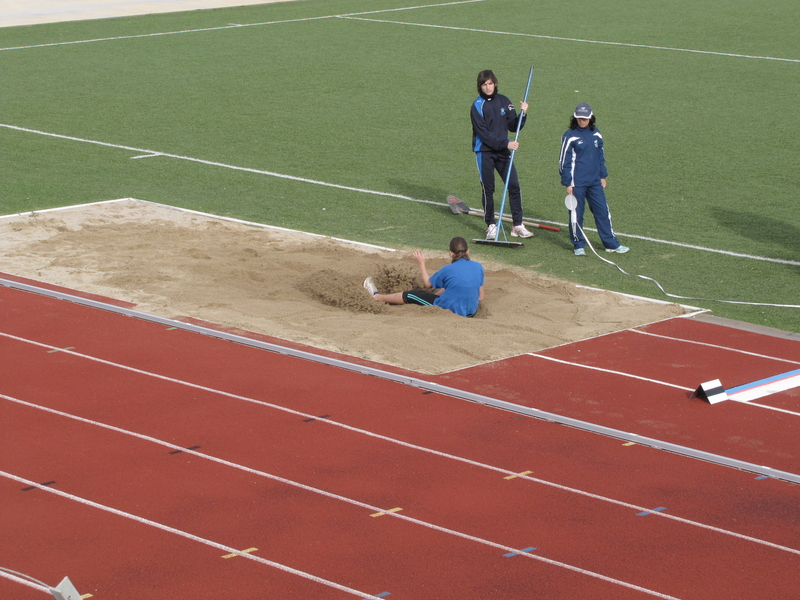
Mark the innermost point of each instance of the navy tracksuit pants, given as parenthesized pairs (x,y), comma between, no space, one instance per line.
(595,196)
(488,163)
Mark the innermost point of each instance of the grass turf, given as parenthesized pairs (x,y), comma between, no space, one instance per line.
(694,101)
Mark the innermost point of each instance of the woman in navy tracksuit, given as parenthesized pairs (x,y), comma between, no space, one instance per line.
(493,116)
(583,172)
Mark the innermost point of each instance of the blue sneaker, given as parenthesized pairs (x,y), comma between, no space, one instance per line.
(618,249)
(580,252)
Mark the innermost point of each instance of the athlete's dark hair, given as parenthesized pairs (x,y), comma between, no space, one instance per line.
(484,76)
(458,246)
(573,124)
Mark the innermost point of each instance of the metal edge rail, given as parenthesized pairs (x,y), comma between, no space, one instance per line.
(419,383)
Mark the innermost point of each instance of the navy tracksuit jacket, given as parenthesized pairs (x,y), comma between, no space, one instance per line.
(582,165)
(492,118)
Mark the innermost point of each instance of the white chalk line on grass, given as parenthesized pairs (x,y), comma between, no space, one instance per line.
(229,26)
(357,17)
(566,39)
(184,534)
(153,153)
(356,430)
(157,34)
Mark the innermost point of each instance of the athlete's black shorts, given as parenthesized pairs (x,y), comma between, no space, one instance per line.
(420,297)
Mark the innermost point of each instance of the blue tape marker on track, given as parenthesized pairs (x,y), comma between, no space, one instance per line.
(647,512)
(520,552)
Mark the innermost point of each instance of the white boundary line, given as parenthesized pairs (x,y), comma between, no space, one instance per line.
(566,39)
(60,208)
(184,534)
(749,403)
(748,353)
(195,212)
(262,225)
(357,17)
(305,575)
(610,371)
(695,309)
(221,165)
(372,508)
(231,26)
(154,153)
(355,430)
(632,376)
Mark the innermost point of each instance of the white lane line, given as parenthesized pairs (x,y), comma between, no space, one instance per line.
(766,406)
(380,437)
(631,376)
(745,352)
(667,337)
(184,534)
(611,371)
(357,17)
(706,249)
(141,152)
(305,575)
(567,39)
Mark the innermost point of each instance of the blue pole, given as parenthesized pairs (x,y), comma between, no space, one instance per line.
(511,161)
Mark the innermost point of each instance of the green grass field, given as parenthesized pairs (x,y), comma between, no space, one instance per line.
(272,113)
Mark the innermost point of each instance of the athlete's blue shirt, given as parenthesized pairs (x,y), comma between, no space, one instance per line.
(461,281)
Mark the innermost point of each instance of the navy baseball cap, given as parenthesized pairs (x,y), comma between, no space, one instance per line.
(583,111)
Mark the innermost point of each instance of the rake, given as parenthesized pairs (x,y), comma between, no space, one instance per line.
(459,207)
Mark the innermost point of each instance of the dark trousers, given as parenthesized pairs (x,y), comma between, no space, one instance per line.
(488,163)
(595,196)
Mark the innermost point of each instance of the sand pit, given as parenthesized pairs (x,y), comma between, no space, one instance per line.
(303,288)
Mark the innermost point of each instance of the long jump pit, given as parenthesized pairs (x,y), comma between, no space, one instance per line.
(303,288)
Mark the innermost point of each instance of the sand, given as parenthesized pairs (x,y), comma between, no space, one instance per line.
(300,287)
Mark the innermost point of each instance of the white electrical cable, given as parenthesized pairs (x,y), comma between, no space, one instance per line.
(23,576)
(571,203)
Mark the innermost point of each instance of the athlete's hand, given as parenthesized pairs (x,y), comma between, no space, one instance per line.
(513,145)
(523,107)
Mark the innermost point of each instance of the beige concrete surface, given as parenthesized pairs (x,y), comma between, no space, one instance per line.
(32,12)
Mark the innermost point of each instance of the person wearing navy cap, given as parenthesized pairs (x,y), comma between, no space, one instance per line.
(582,165)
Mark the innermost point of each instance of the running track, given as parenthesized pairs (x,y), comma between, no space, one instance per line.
(147,460)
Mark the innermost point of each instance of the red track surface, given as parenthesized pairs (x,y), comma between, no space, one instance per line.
(164,450)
